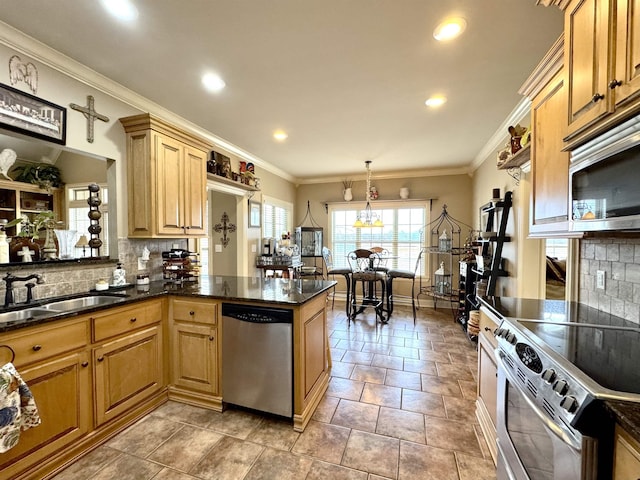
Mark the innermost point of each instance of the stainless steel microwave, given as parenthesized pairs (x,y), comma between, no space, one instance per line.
(604,181)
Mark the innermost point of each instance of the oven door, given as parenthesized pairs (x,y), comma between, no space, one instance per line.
(530,445)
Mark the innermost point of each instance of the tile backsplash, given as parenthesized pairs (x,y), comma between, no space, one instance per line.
(619,258)
(66,279)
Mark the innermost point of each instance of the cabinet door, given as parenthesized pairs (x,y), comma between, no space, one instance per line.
(195,191)
(127,370)
(627,52)
(194,357)
(170,183)
(587,62)
(626,463)
(140,184)
(61,389)
(550,165)
(315,359)
(487,393)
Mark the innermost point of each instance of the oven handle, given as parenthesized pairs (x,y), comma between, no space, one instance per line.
(557,431)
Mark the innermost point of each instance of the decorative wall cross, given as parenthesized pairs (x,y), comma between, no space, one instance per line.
(225,227)
(90,114)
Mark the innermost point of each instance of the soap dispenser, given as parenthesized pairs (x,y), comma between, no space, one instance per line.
(4,243)
(119,276)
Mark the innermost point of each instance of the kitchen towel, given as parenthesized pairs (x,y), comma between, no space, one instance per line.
(18,410)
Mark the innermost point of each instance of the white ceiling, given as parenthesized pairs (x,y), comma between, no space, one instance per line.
(347,79)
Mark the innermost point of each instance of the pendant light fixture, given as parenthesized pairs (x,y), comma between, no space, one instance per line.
(367,218)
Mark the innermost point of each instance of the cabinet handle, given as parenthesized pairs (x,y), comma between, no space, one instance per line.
(487,329)
(100,359)
(192,313)
(597,97)
(614,83)
(211,338)
(85,364)
(35,348)
(133,319)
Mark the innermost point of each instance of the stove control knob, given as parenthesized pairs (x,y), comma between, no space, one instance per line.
(570,404)
(511,338)
(561,387)
(549,375)
(498,332)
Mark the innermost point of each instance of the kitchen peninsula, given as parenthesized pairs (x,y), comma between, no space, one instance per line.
(95,371)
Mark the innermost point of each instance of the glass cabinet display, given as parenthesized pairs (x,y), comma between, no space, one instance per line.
(309,241)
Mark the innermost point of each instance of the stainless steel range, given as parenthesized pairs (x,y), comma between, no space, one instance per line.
(553,375)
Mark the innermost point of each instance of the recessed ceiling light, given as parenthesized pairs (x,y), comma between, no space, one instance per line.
(121,9)
(435,101)
(450,28)
(280,135)
(213,82)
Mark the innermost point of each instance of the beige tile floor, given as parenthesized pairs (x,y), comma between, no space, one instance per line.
(400,405)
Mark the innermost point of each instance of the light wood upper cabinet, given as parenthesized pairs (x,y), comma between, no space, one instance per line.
(586,61)
(602,62)
(549,165)
(166,179)
(625,83)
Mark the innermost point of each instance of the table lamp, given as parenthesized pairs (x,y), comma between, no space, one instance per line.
(83,243)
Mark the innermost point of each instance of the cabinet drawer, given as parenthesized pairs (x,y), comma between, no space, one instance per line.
(44,342)
(487,327)
(195,311)
(118,321)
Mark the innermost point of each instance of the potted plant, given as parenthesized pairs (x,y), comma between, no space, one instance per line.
(44,175)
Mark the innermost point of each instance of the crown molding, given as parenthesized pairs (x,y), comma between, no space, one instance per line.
(22,43)
(550,64)
(561,4)
(387,175)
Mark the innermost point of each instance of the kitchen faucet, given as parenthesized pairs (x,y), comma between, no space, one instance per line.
(9,278)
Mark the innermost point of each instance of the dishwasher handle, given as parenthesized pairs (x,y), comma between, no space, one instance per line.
(257,314)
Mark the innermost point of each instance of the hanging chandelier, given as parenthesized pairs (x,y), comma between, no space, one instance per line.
(367,218)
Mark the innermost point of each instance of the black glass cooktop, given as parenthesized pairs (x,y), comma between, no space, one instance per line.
(603,346)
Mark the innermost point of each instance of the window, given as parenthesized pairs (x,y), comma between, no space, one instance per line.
(276,217)
(78,210)
(401,234)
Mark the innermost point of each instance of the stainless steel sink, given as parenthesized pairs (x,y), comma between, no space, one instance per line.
(25,314)
(56,307)
(82,302)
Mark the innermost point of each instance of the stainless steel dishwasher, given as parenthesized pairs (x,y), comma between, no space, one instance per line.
(257,358)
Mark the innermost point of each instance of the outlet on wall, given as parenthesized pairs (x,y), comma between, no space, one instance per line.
(600,279)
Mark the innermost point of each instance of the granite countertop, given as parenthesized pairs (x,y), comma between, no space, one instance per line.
(283,292)
(627,414)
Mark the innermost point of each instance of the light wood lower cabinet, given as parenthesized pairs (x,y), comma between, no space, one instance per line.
(195,352)
(63,392)
(626,457)
(310,359)
(56,369)
(127,370)
(486,402)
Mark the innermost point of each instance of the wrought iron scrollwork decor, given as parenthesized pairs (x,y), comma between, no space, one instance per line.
(224,226)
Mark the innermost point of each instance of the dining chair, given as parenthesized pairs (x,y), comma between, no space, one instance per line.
(365,270)
(407,274)
(331,270)
(383,258)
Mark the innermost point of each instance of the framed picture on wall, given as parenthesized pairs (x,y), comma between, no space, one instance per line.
(255,214)
(33,116)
